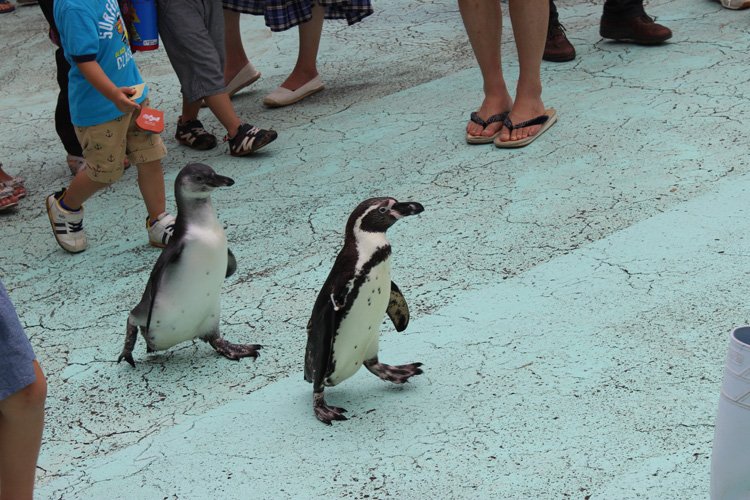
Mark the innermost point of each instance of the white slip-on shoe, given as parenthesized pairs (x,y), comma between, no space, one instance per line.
(284,97)
(735,4)
(246,76)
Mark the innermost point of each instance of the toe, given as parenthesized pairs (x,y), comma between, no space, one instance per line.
(491,129)
(473,128)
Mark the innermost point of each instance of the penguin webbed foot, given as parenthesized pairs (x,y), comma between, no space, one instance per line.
(399,374)
(235,352)
(325,413)
(127,356)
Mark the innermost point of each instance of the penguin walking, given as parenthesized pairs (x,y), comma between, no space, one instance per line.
(182,298)
(343,331)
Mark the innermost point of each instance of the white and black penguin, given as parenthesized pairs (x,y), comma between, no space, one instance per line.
(343,331)
(182,298)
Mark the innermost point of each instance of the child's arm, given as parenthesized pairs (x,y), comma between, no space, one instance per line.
(101,82)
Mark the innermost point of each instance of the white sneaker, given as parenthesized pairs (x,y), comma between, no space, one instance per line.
(67,226)
(160,231)
(735,4)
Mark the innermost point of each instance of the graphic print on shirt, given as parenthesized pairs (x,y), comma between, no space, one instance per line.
(112,23)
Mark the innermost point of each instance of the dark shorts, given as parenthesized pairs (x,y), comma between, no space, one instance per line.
(192,32)
(281,15)
(16,355)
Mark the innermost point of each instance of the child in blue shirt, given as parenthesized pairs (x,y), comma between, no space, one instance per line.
(102,75)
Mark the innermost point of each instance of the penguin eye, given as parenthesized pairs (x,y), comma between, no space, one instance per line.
(382,210)
(199,178)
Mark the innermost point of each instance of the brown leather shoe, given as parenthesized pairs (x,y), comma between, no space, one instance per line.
(558,48)
(641,30)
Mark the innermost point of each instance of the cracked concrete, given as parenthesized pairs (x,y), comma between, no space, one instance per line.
(571,301)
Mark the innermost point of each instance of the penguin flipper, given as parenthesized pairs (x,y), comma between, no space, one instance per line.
(169,256)
(231,264)
(320,333)
(398,309)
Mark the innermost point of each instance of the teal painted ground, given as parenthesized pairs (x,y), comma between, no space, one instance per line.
(570,301)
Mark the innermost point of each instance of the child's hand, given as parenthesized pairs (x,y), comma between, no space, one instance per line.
(123,101)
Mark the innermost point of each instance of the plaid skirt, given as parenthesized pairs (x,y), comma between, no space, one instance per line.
(281,15)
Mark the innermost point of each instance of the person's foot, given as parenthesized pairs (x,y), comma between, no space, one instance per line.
(558,48)
(491,106)
(524,109)
(735,4)
(241,78)
(283,96)
(641,30)
(193,135)
(7,199)
(6,7)
(296,79)
(67,226)
(161,230)
(249,139)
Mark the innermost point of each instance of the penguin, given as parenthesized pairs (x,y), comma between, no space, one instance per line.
(181,301)
(343,330)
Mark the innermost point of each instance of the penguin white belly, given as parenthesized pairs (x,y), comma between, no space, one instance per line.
(358,333)
(188,302)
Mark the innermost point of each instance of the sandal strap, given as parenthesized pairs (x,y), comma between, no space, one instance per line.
(539,120)
(477,119)
(498,118)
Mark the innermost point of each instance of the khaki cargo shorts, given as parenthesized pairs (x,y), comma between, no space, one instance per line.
(105,146)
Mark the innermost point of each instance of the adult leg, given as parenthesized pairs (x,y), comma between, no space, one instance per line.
(483,22)
(21,427)
(238,70)
(622,9)
(306,68)
(554,17)
(236,58)
(530,19)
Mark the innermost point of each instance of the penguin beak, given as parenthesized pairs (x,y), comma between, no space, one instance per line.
(219,180)
(399,210)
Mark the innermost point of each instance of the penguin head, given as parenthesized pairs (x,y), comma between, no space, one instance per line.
(376,215)
(197,180)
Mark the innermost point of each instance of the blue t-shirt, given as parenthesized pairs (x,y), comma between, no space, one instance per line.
(93,30)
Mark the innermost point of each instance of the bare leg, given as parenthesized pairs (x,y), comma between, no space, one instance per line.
(483,23)
(81,189)
(396,374)
(309,41)
(236,58)
(326,413)
(21,427)
(151,184)
(530,19)
(221,107)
